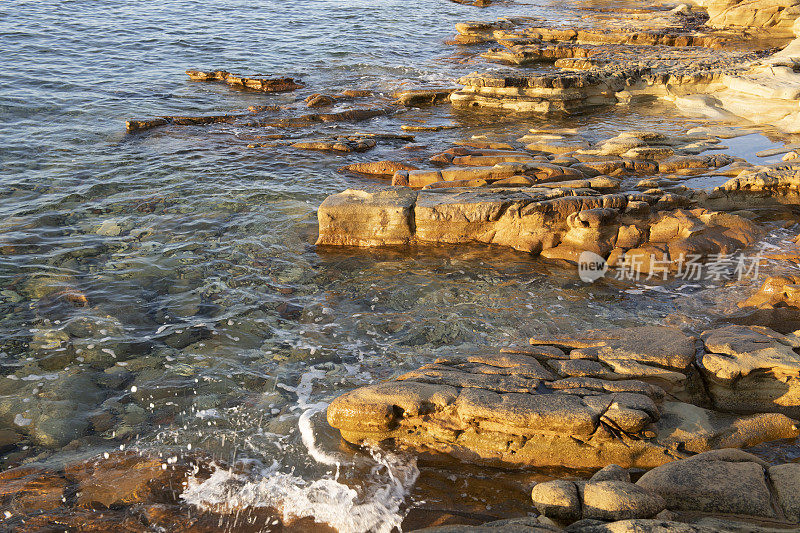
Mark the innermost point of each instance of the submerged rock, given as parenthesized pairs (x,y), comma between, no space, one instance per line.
(377,168)
(339,144)
(134,126)
(267,85)
(423,97)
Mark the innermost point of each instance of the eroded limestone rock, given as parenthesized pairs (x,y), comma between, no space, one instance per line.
(752,369)
(580,403)
(779,183)
(558,221)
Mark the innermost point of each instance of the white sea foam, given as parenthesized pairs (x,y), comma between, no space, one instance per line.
(375,508)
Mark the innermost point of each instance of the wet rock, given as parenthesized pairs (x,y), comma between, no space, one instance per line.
(511,525)
(776,291)
(124,478)
(349,115)
(9,439)
(356,93)
(553,143)
(267,85)
(781,319)
(134,126)
(31,488)
(752,369)
(423,97)
(319,100)
(340,144)
(377,168)
(778,183)
(510,409)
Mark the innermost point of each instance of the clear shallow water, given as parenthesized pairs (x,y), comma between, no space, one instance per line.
(211,320)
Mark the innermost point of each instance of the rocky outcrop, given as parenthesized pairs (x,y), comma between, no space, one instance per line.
(752,369)
(556,221)
(716,70)
(776,183)
(266,85)
(776,291)
(581,403)
(776,17)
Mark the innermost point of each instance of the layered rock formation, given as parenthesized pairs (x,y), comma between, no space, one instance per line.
(616,397)
(710,67)
(777,17)
(266,85)
(558,221)
(775,183)
(752,369)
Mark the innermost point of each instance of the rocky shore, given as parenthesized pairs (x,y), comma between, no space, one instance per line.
(660,426)
(672,406)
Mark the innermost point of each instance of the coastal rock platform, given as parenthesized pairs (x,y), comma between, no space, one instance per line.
(620,397)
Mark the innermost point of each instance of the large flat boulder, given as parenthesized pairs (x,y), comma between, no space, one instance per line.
(720,482)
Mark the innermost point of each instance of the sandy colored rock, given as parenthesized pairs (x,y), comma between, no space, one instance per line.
(359,218)
(558,216)
(377,168)
(516,409)
(619,500)
(557,499)
(712,483)
(611,473)
(752,369)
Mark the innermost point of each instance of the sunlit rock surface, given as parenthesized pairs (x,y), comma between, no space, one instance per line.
(610,397)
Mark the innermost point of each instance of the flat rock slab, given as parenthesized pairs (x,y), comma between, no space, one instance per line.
(542,406)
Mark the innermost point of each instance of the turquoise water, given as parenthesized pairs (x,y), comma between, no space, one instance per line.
(210,320)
